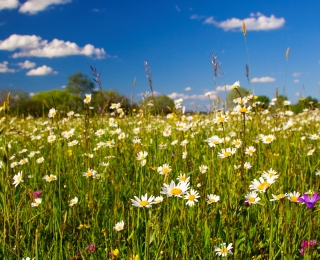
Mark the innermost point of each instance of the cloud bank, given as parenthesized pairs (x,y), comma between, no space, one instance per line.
(35,6)
(27,64)
(176,95)
(4,68)
(34,46)
(41,71)
(256,22)
(8,4)
(224,88)
(263,80)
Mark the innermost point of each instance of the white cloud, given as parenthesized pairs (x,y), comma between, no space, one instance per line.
(187,88)
(263,80)
(177,8)
(8,4)
(256,22)
(197,17)
(27,64)
(31,94)
(34,6)
(4,67)
(296,81)
(224,88)
(298,94)
(155,93)
(176,95)
(296,74)
(16,41)
(41,71)
(34,46)
(64,86)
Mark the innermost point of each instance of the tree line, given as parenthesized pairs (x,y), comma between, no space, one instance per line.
(71,99)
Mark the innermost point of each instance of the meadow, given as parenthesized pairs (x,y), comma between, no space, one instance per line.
(237,183)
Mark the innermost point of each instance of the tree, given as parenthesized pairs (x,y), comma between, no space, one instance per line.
(62,100)
(109,97)
(233,94)
(164,104)
(264,101)
(281,99)
(79,85)
(19,100)
(308,102)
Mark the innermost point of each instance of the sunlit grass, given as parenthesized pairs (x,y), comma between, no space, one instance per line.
(183,185)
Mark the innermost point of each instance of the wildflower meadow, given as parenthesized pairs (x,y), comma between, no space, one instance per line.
(240,183)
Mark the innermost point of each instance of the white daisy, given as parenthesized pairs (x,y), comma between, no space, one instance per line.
(212,198)
(224,250)
(17,179)
(164,169)
(73,202)
(252,198)
(175,190)
(144,202)
(192,197)
(119,226)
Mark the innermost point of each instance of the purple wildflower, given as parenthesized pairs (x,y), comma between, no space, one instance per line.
(308,243)
(37,194)
(246,204)
(91,248)
(310,202)
(301,251)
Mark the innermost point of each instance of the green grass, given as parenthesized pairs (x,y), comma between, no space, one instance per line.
(170,229)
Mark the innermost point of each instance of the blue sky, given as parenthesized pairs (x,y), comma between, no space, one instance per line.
(42,42)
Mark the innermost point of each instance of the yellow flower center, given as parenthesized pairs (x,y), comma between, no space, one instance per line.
(212,200)
(226,154)
(268,139)
(294,198)
(51,178)
(251,199)
(183,178)
(263,186)
(280,196)
(224,250)
(165,170)
(175,191)
(89,173)
(87,99)
(191,197)
(144,203)
(221,119)
(243,110)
